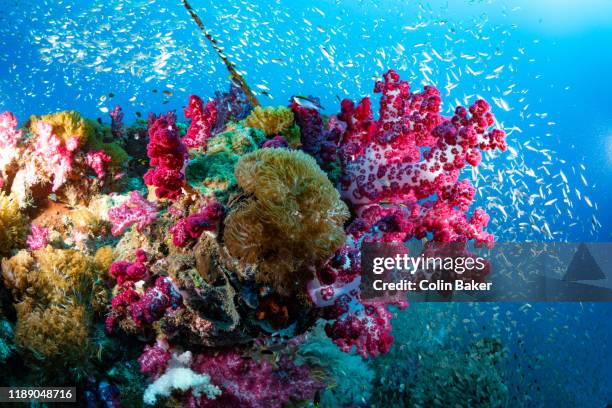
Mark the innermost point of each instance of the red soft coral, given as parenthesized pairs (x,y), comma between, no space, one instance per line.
(167,154)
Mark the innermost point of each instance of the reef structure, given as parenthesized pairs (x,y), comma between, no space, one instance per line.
(245,232)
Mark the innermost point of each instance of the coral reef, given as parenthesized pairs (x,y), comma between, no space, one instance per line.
(201,291)
(60,153)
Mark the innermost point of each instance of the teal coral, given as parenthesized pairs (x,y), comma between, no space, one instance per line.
(7,345)
(350,380)
(212,173)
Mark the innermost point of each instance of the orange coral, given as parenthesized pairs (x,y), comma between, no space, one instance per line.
(290,218)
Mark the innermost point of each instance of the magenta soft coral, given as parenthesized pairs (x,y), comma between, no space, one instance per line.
(155,301)
(317,140)
(400,175)
(203,119)
(190,228)
(154,359)
(382,160)
(167,154)
(144,308)
(38,238)
(265,386)
(116,122)
(368,328)
(125,271)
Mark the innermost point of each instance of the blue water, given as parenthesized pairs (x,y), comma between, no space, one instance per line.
(547,62)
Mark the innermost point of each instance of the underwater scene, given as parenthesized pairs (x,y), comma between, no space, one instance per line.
(273,203)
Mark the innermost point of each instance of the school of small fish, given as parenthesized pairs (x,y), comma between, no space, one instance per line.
(147,54)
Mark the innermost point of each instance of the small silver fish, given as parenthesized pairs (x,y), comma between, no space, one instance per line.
(306,102)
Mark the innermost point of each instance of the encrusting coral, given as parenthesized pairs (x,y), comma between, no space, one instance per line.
(272,121)
(289,220)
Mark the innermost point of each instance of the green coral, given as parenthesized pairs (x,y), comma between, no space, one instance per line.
(13,225)
(293,136)
(212,173)
(7,345)
(131,383)
(349,379)
(96,142)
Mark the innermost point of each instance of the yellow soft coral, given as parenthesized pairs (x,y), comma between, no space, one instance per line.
(66,125)
(55,291)
(50,275)
(291,219)
(104,258)
(272,121)
(13,225)
(57,337)
(16,273)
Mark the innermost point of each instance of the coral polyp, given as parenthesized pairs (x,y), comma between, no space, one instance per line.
(246,230)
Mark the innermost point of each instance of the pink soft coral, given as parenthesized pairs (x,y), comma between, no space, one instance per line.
(125,271)
(97,160)
(58,156)
(190,228)
(203,120)
(38,238)
(9,139)
(400,175)
(136,210)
